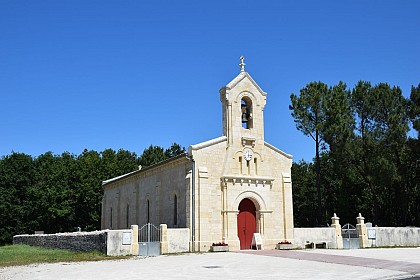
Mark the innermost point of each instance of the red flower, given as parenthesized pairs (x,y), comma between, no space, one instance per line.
(220,244)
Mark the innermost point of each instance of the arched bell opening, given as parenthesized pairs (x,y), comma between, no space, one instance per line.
(246,112)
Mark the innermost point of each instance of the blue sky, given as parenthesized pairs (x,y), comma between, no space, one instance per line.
(127,74)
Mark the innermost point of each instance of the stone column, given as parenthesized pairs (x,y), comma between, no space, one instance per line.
(361,229)
(224,211)
(134,240)
(288,227)
(164,239)
(261,222)
(336,225)
(232,231)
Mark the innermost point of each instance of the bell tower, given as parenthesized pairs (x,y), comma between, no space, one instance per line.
(243,103)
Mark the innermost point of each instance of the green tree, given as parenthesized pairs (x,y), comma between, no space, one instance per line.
(53,197)
(382,132)
(337,161)
(304,189)
(89,190)
(414,107)
(410,170)
(16,173)
(57,193)
(152,155)
(338,129)
(174,150)
(118,163)
(308,111)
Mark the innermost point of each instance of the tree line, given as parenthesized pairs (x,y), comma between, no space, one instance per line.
(365,160)
(57,193)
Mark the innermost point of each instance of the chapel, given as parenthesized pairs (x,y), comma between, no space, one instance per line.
(223,190)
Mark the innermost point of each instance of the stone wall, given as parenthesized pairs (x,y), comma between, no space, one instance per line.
(305,236)
(118,244)
(178,240)
(148,195)
(75,241)
(395,236)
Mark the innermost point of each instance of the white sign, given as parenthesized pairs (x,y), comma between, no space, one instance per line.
(126,239)
(371,233)
(257,240)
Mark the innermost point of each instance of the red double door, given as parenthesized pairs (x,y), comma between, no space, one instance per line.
(247,223)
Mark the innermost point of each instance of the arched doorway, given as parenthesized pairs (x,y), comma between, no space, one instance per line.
(247,223)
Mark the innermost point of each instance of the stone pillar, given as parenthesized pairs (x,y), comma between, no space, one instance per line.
(288,227)
(163,239)
(335,223)
(361,229)
(134,240)
(232,231)
(261,222)
(224,211)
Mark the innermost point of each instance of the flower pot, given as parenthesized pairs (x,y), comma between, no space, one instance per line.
(284,247)
(219,248)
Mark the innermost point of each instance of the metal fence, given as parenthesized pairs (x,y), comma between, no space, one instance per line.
(149,240)
(350,237)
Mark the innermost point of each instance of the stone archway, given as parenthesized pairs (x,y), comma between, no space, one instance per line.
(247,223)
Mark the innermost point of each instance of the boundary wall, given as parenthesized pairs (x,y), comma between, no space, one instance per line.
(110,242)
(394,236)
(368,236)
(174,240)
(177,240)
(313,237)
(73,241)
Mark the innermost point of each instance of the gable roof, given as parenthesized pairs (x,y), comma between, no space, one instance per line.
(277,150)
(239,78)
(206,144)
(124,176)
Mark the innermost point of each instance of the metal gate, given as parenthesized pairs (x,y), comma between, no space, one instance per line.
(149,240)
(350,237)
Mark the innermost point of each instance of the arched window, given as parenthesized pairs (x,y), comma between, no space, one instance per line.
(255,166)
(175,210)
(110,215)
(127,217)
(148,211)
(246,112)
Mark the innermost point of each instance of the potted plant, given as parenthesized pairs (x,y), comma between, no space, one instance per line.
(284,245)
(219,247)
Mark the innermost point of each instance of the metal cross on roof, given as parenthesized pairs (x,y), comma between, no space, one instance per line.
(242,63)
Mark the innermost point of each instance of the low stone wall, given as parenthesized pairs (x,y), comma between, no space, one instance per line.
(395,236)
(304,236)
(178,240)
(119,242)
(74,241)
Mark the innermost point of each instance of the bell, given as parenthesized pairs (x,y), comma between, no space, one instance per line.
(244,117)
(244,110)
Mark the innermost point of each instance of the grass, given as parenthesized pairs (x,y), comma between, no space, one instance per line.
(15,255)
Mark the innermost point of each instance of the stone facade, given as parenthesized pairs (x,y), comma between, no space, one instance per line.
(148,195)
(203,190)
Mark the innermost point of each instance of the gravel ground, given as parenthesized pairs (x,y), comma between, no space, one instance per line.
(397,263)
